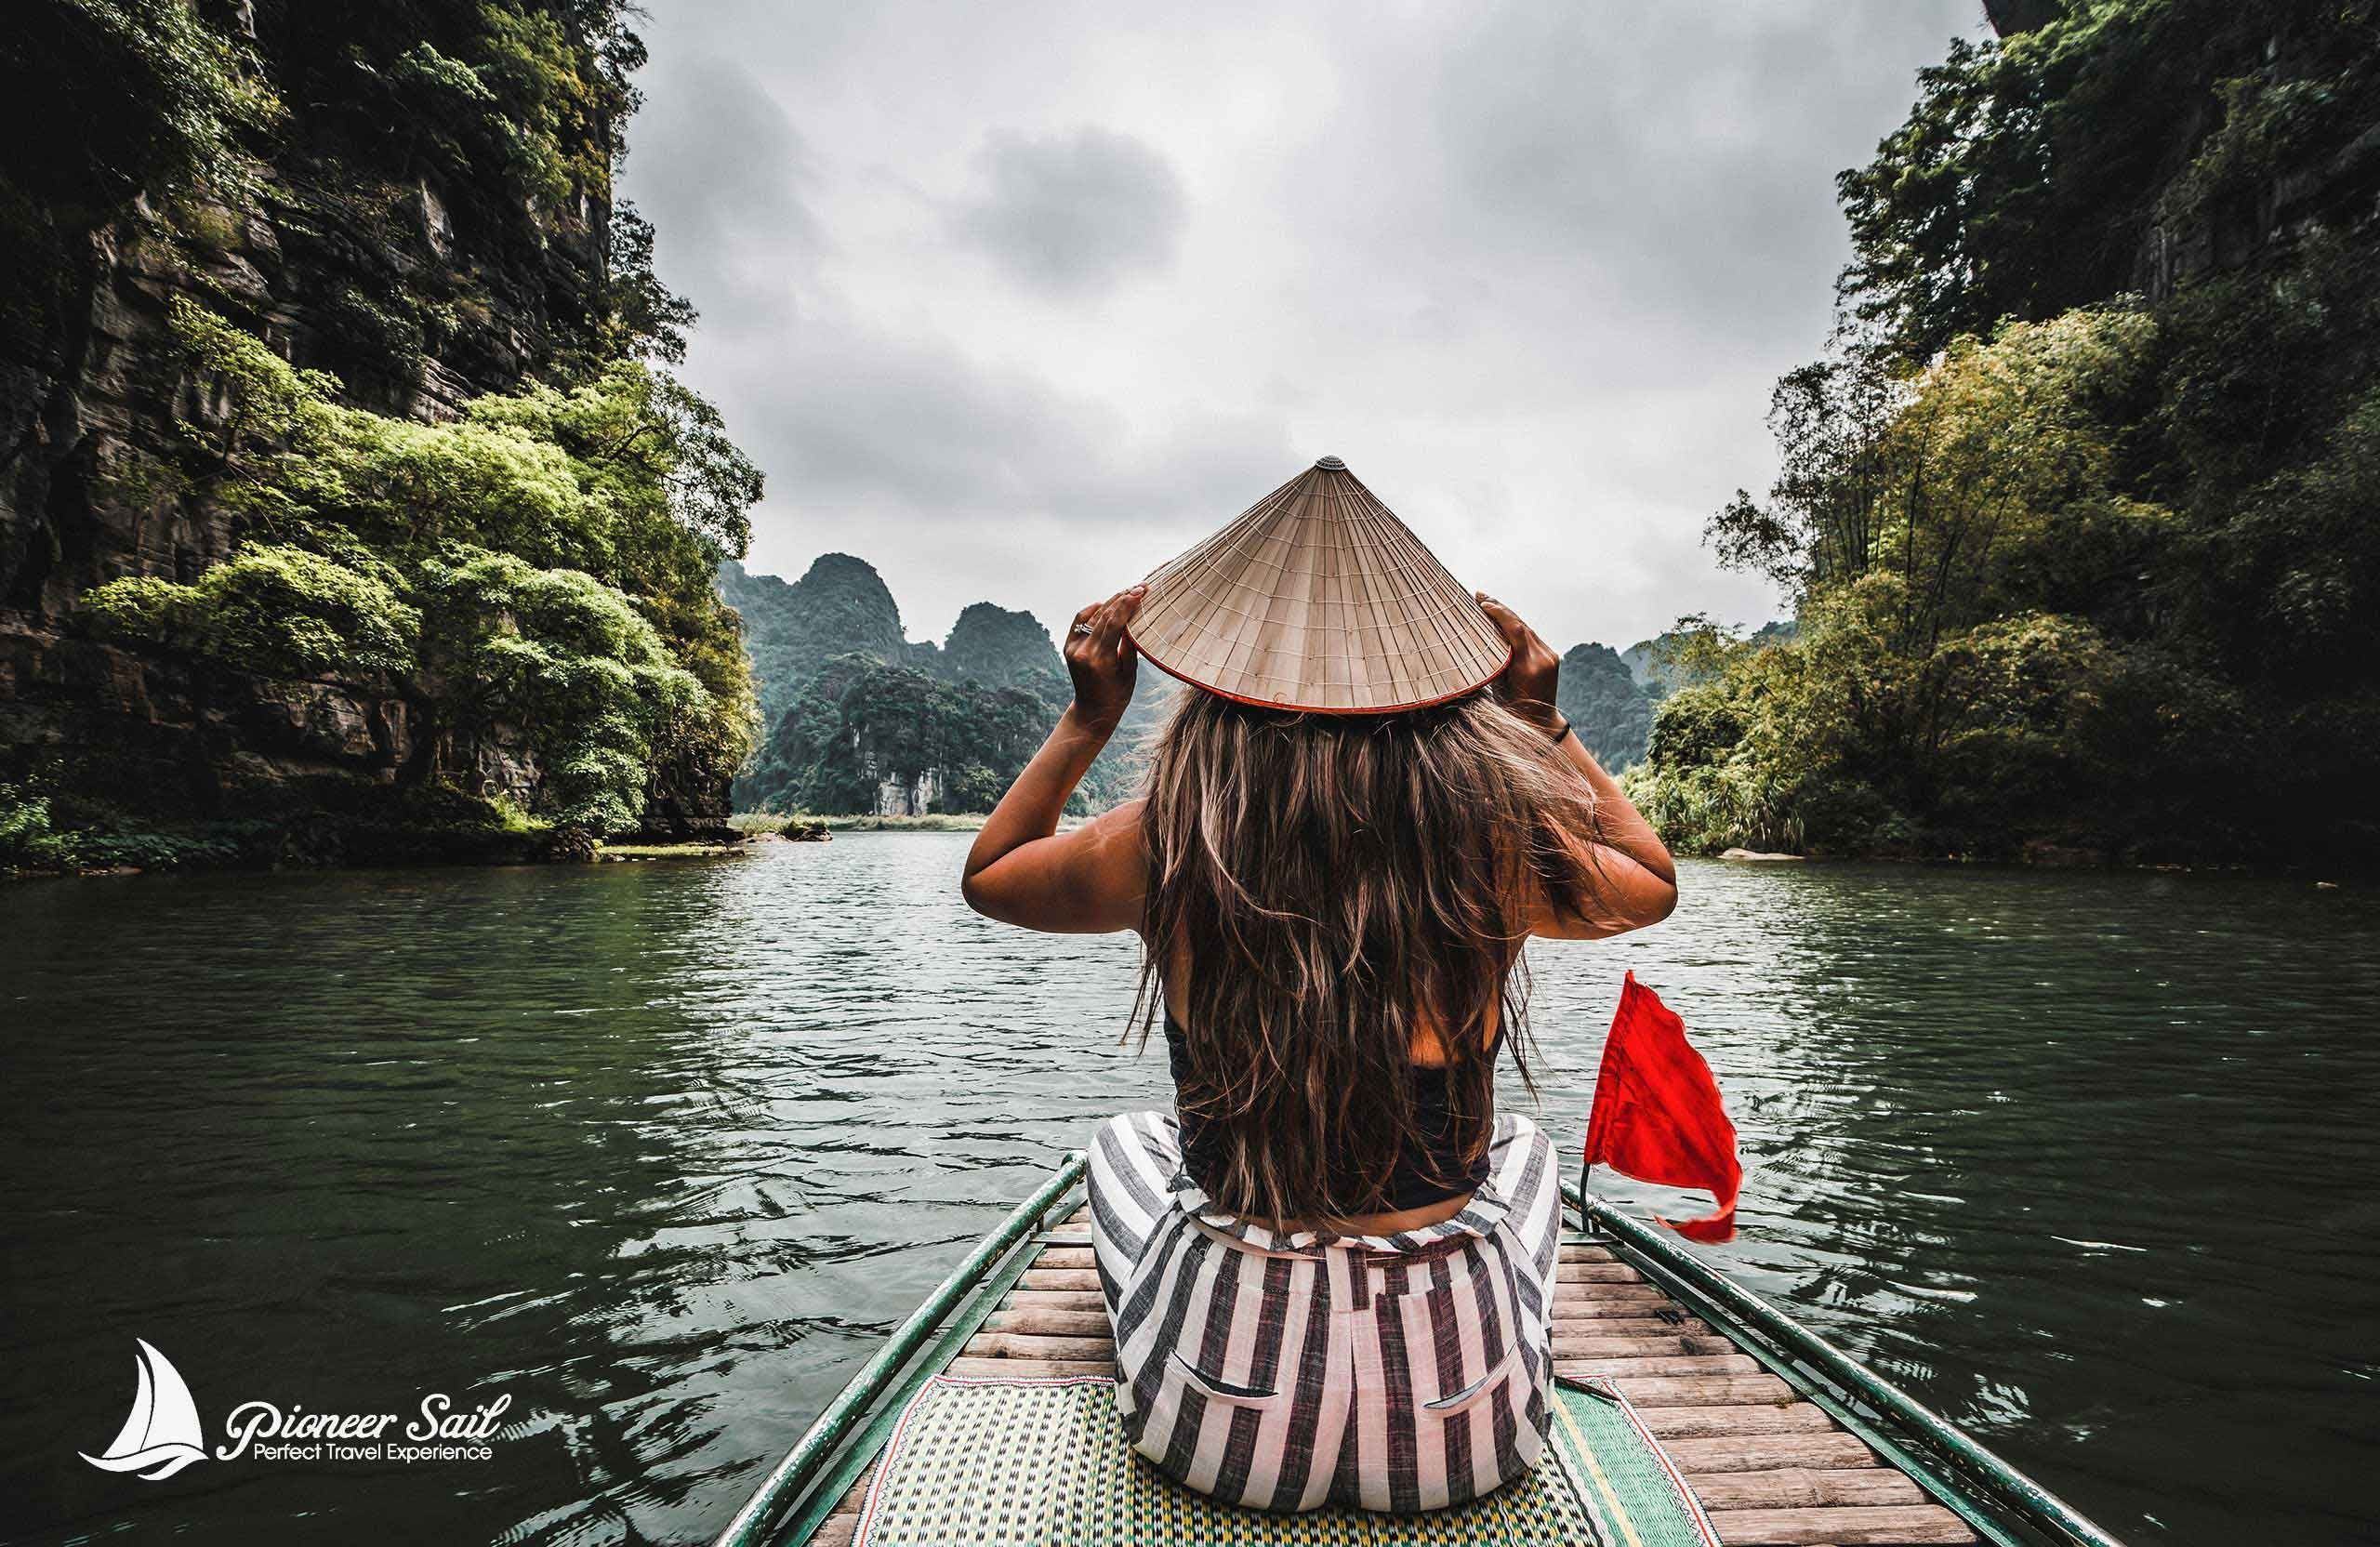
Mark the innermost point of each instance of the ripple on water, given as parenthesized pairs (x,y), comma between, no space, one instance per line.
(662,1150)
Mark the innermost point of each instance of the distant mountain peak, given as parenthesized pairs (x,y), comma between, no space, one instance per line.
(991,614)
(992,644)
(840,606)
(1601,700)
(860,719)
(827,565)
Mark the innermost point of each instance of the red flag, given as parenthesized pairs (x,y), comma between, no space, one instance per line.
(1657,1116)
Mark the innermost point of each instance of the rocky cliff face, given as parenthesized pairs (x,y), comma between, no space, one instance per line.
(1601,699)
(863,719)
(1000,648)
(415,198)
(793,628)
(2010,17)
(149,730)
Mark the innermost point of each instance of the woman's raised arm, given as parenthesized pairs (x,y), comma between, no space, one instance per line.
(1022,870)
(1638,879)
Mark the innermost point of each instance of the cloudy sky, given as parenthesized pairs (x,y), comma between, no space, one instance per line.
(1016,301)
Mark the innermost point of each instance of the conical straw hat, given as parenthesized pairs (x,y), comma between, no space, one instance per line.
(1318,598)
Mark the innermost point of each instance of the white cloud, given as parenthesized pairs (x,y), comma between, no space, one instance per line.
(1015,301)
(1074,216)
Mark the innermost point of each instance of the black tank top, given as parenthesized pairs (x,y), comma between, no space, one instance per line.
(1434,1151)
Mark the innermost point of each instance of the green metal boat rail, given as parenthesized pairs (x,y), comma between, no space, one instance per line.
(2000,1502)
(801,1489)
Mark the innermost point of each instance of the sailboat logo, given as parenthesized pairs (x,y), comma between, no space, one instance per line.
(162,1436)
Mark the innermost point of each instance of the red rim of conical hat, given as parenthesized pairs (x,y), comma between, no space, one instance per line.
(1317,598)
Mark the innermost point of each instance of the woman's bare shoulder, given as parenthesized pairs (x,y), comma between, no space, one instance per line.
(1116,857)
(1119,827)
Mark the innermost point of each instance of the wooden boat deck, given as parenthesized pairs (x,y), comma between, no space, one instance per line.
(1769,1466)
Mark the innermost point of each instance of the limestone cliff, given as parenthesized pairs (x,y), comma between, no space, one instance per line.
(860,719)
(414,199)
(1601,699)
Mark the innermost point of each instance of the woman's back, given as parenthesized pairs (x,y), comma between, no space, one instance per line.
(1438,1162)
(1331,908)
(1341,902)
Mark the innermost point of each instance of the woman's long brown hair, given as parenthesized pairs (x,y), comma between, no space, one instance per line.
(1336,887)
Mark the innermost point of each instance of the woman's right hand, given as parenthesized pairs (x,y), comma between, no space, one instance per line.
(1021,869)
(1535,673)
(1101,660)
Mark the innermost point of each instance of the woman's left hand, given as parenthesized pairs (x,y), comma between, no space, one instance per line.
(1101,660)
(1531,679)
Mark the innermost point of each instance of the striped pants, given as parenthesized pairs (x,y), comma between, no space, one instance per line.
(1289,1370)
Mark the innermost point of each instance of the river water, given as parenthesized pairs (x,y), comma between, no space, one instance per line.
(658,1151)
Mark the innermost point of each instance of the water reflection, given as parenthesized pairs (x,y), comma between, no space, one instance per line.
(662,1150)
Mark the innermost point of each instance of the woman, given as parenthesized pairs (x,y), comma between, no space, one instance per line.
(1329,1271)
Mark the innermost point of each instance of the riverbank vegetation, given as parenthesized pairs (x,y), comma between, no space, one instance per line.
(808,828)
(368,465)
(861,719)
(2077,512)
(542,561)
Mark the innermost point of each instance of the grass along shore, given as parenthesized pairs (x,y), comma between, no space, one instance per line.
(769,824)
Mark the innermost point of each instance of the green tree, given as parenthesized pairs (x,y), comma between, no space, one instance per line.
(2077,515)
(543,561)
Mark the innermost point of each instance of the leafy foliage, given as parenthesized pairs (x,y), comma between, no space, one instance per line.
(543,561)
(157,101)
(561,652)
(646,316)
(101,100)
(27,840)
(412,199)
(440,182)
(271,609)
(2033,176)
(2076,565)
